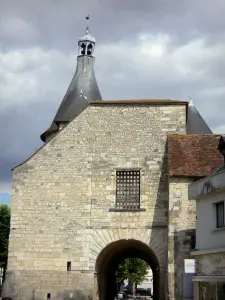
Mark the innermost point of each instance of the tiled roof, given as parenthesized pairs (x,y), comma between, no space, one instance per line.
(193,155)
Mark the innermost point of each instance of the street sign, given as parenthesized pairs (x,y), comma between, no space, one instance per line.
(189,266)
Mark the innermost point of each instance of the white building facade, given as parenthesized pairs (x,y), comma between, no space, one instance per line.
(209,194)
(148,282)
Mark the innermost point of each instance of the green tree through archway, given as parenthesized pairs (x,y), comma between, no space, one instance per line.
(134,270)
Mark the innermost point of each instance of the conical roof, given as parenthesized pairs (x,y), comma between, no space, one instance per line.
(87,37)
(195,123)
(82,90)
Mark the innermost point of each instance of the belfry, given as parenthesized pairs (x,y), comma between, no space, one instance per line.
(82,90)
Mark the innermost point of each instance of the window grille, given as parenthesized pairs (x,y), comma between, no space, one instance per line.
(128,190)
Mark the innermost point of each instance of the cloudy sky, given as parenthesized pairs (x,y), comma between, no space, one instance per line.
(145,49)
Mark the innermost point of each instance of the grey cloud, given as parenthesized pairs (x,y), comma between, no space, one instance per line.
(19,134)
(59,23)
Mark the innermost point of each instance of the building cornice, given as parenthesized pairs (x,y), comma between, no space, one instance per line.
(208,251)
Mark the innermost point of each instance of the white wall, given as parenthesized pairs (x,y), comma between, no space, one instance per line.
(147,283)
(207,235)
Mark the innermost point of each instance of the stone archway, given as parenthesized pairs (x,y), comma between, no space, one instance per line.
(112,255)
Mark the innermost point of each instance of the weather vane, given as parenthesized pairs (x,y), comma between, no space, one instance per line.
(87,23)
(190,101)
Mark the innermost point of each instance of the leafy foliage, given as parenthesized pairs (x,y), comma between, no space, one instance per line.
(121,272)
(132,269)
(4,231)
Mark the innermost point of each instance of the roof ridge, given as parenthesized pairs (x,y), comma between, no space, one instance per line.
(140,101)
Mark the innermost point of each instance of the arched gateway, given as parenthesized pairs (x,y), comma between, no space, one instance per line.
(112,255)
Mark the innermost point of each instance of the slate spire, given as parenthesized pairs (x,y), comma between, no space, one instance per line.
(195,123)
(82,90)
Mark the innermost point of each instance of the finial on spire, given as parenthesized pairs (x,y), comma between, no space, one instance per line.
(87,42)
(191,101)
(87,23)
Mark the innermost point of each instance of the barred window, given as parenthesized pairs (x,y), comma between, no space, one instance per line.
(128,190)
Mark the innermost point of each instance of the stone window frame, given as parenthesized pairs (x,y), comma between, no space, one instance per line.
(113,204)
(217,210)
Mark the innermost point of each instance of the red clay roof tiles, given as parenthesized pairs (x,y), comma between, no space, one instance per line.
(193,155)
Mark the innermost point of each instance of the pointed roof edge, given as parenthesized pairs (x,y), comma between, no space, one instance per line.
(190,101)
(45,143)
(195,123)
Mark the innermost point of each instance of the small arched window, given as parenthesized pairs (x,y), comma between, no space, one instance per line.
(89,49)
(83,49)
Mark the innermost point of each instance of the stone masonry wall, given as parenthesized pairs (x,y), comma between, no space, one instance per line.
(182,218)
(63,193)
